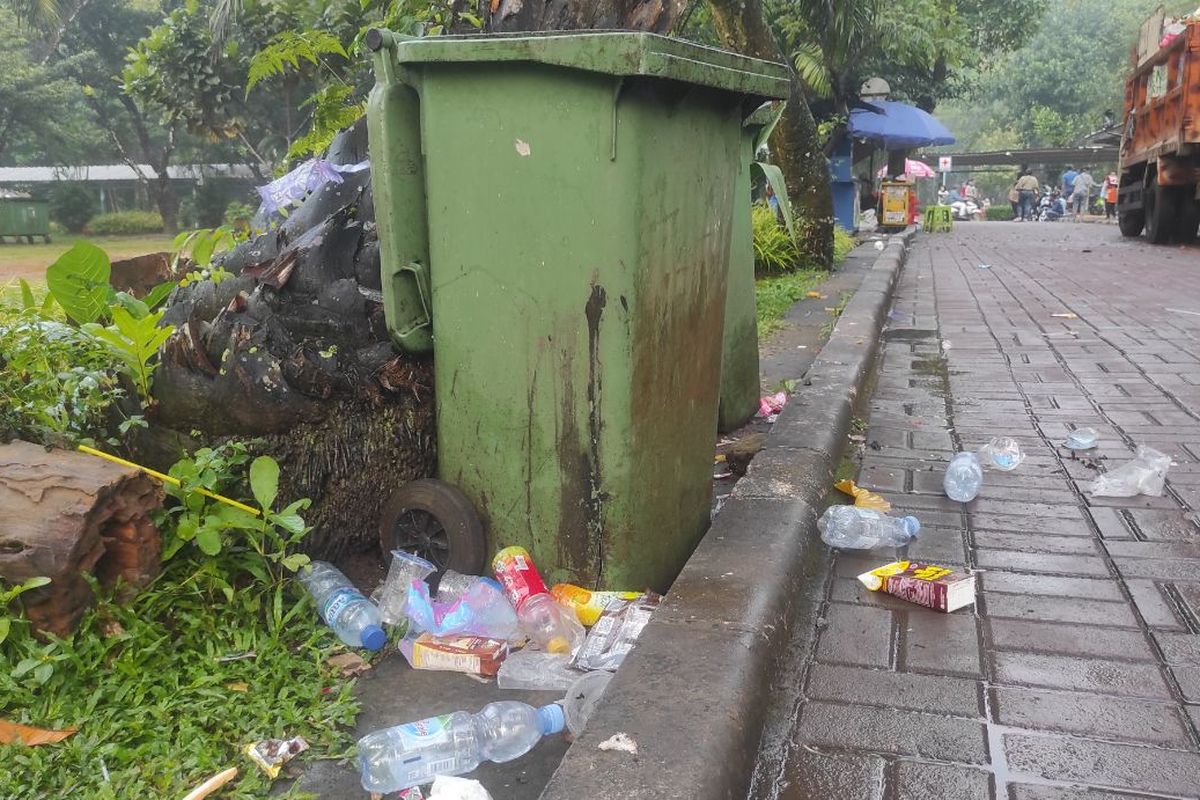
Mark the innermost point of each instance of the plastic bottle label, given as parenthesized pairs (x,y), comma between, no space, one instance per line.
(337,602)
(515,570)
(423,733)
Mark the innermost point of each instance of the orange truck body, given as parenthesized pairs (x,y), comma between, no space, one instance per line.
(1160,147)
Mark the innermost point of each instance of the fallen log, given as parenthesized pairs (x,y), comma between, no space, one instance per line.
(66,514)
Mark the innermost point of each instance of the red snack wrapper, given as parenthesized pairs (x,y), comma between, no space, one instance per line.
(929,585)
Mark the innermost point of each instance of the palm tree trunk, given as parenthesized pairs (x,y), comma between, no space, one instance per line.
(795,146)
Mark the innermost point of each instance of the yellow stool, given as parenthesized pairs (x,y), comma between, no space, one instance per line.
(938,218)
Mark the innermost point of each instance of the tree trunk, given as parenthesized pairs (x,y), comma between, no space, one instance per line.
(65,514)
(795,146)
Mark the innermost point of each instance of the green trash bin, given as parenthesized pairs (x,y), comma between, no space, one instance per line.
(554,222)
(24,217)
(740,389)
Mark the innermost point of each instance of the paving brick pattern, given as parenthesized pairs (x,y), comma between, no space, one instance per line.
(1077,674)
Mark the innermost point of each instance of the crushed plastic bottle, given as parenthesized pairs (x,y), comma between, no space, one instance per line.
(1082,439)
(588,605)
(856,528)
(1003,453)
(963,478)
(555,628)
(531,669)
(392,596)
(353,617)
(482,611)
(453,744)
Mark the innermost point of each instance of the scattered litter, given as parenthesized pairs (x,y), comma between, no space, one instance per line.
(772,404)
(719,458)
(238,686)
(474,655)
(349,665)
(582,698)
(1003,453)
(722,476)
(620,743)
(236,657)
(588,605)
(893,314)
(452,744)
(212,784)
(879,246)
(801,347)
(1065,315)
(300,182)
(1183,311)
(1145,474)
(534,670)
(271,754)
(863,498)
(964,477)
(392,594)
(929,585)
(413,793)
(946,344)
(13,732)
(554,628)
(855,528)
(353,617)
(616,632)
(447,787)
(815,296)
(1082,439)
(522,147)
(483,611)
(985,266)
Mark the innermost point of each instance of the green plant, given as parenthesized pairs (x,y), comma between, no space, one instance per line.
(78,281)
(774,295)
(57,383)
(201,247)
(774,250)
(237,216)
(998,213)
(125,223)
(135,341)
(7,596)
(73,204)
(843,243)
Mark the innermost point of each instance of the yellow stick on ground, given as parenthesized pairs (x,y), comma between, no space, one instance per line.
(91,451)
(212,784)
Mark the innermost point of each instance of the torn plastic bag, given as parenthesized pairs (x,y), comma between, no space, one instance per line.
(1146,474)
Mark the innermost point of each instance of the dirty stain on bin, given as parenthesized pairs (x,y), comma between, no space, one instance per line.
(577,283)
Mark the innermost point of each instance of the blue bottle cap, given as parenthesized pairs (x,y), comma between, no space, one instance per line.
(495,584)
(373,638)
(913,526)
(552,718)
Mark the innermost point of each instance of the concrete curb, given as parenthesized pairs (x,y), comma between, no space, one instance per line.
(693,693)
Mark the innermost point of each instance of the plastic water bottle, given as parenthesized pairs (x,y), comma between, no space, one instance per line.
(855,528)
(1082,439)
(353,618)
(1003,453)
(963,478)
(554,627)
(409,755)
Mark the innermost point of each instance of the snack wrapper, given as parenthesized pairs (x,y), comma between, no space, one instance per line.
(616,632)
(929,585)
(473,655)
(271,754)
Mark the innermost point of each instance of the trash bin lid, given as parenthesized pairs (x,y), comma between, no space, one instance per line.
(624,53)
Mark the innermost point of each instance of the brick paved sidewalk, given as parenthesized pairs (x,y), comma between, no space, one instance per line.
(1077,676)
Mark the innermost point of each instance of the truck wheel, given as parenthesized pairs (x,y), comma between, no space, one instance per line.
(1162,212)
(1132,223)
(437,522)
(1189,216)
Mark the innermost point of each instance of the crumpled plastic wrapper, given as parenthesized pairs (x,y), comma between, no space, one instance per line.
(616,632)
(1146,474)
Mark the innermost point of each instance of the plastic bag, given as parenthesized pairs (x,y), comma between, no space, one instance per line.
(1146,474)
(535,670)
(446,787)
(482,611)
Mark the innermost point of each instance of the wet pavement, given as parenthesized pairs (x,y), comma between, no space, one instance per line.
(1077,674)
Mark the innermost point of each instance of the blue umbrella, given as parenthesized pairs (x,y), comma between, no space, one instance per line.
(897,126)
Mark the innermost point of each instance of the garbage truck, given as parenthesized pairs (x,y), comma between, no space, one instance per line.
(1160,146)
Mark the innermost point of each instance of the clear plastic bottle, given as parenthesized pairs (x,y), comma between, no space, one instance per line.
(555,628)
(353,617)
(1003,453)
(409,755)
(1082,439)
(855,528)
(963,478)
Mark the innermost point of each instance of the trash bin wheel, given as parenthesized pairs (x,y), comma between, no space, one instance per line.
(437,522)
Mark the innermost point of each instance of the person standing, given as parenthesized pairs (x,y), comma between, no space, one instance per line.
(1081,193)
(1014,199)
(1112,186)
(1027,189)
(1068,181)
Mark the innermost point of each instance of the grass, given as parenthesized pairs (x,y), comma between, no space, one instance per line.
(775,294)
(157,709)
(29,261)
